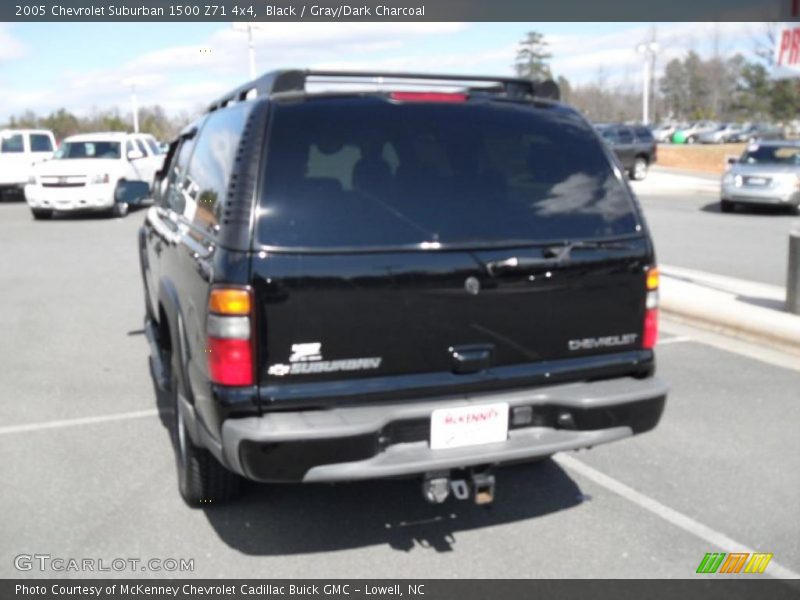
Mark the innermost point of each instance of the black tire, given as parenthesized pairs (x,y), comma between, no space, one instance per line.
(202,480)
(639,169)
(41,214)
(119,210)
(726,206)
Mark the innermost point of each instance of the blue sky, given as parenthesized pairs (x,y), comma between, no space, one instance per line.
(182,66)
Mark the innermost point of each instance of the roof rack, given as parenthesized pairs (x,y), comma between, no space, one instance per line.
(277,82)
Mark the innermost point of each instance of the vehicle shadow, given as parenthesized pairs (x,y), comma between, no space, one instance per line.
(11,196)
(750,209)
(297,519)
(284,519)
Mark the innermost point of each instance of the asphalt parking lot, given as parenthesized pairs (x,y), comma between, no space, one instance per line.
(88,470)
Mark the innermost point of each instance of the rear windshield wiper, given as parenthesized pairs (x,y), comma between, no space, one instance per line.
(564,251)
(551,256)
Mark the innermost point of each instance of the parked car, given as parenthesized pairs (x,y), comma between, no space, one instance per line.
(691,134)
(723,134)
(394,283)
(633,145)
(663,132)
(766,173)
(20,150)
(758,131)
(97,171)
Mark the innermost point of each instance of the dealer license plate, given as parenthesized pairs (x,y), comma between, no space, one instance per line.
(469,425)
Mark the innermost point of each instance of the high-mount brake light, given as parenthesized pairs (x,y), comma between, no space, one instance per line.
(230,335)
(650,329)
(428,97)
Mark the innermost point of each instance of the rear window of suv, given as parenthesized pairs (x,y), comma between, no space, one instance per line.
(367,172)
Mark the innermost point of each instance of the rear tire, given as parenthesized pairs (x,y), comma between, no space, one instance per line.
(690,139)
(726,206)
(119,210)
(41,214)
(202,480)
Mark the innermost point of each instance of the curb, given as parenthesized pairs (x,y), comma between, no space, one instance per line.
(741,309)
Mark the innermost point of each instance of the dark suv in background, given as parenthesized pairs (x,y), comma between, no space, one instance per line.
(345,285)
(634,146)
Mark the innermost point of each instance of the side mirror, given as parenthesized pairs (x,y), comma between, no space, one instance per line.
(135,155)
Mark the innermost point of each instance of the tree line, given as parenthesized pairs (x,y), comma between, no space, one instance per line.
(152,119)
(735,88)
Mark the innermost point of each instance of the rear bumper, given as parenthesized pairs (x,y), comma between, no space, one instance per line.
(772,195)
(391,440)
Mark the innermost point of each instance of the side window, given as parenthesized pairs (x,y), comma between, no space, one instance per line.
(212,162)
(175,199)
(625,135)
(12,143)
(140,147)
(609,135)
(154,149)
(41,143)
(128,147)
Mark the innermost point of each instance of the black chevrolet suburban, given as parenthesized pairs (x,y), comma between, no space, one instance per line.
(366,275)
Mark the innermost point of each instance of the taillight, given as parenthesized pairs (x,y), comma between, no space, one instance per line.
(650,331)
(427,97)
(230,335)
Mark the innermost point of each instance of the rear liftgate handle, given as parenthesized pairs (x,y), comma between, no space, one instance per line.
(470,358)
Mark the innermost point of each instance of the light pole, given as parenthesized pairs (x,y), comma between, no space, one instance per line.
(251,50)
(649,49)
(134,103)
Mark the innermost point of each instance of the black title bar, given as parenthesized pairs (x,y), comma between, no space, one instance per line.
(396,10)
(704,587)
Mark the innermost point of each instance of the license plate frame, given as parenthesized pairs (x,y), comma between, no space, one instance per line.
(471,425)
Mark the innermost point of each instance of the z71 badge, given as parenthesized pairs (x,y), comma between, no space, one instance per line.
(306,359)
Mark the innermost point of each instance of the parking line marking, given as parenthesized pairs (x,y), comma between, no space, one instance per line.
(670,515)
(139,414)
(675,340)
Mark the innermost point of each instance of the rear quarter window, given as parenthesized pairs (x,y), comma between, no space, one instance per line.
(359,173)
(212,162)
(643,134)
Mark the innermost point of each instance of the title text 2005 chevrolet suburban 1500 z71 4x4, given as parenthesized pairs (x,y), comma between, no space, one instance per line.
(345,285)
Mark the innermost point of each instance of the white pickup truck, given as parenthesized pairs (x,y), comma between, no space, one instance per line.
(20,150)
(95,171)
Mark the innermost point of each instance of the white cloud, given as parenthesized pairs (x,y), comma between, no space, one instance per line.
(220,62)
(580,58)
(183,77)
(10,47)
